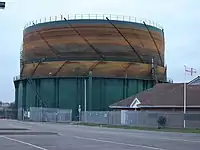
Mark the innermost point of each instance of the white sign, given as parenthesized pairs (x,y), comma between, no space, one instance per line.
(135,103)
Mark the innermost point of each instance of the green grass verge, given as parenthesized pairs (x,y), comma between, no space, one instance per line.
(142,128)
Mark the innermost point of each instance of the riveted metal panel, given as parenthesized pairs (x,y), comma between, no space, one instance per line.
(47,92)
(113,90)
(31,98)
(20,95)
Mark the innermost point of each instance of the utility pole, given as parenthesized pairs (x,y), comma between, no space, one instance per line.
(184,102)
(85,100)
(191,71)
(2,5)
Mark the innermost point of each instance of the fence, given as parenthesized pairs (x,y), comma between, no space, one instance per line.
(8,113)
(46,115)
(142,119)
(93,16)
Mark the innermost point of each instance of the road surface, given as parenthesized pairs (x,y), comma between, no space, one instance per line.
(73,137)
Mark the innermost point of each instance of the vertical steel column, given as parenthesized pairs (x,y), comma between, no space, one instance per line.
(85,99)
(184,102)
(37,87)
(16,83)
(56,92)
(21,68)
(23,98)
(153,70)
(163,45)
(90,91)
(125,85)
(165,78)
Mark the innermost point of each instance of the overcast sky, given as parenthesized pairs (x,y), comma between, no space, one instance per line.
(180,19)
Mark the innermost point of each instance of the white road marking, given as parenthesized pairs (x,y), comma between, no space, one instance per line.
(182,140)
(15,123)
(25,143)
(143,136)
(15,126)
(119,143)
(158,138)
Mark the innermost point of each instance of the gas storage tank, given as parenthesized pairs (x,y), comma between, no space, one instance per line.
(110,48)
(119,53)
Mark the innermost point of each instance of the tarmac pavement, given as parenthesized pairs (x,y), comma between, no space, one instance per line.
(51,136)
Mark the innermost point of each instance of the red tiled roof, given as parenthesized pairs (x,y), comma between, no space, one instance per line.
(164,94)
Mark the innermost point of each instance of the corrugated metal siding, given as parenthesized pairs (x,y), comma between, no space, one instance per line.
(68,93)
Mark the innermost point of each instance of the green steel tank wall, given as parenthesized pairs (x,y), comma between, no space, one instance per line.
(68,93)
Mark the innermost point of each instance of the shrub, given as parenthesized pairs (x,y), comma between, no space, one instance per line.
(161,121)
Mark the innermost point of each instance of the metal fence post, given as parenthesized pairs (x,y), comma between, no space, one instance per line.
(79,113)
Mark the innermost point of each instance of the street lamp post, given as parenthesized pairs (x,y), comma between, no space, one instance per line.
(2,5)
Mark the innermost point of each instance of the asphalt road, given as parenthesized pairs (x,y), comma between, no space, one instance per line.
(74,137)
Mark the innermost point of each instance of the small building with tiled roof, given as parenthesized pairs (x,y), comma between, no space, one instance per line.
(195,81)
(163,96)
